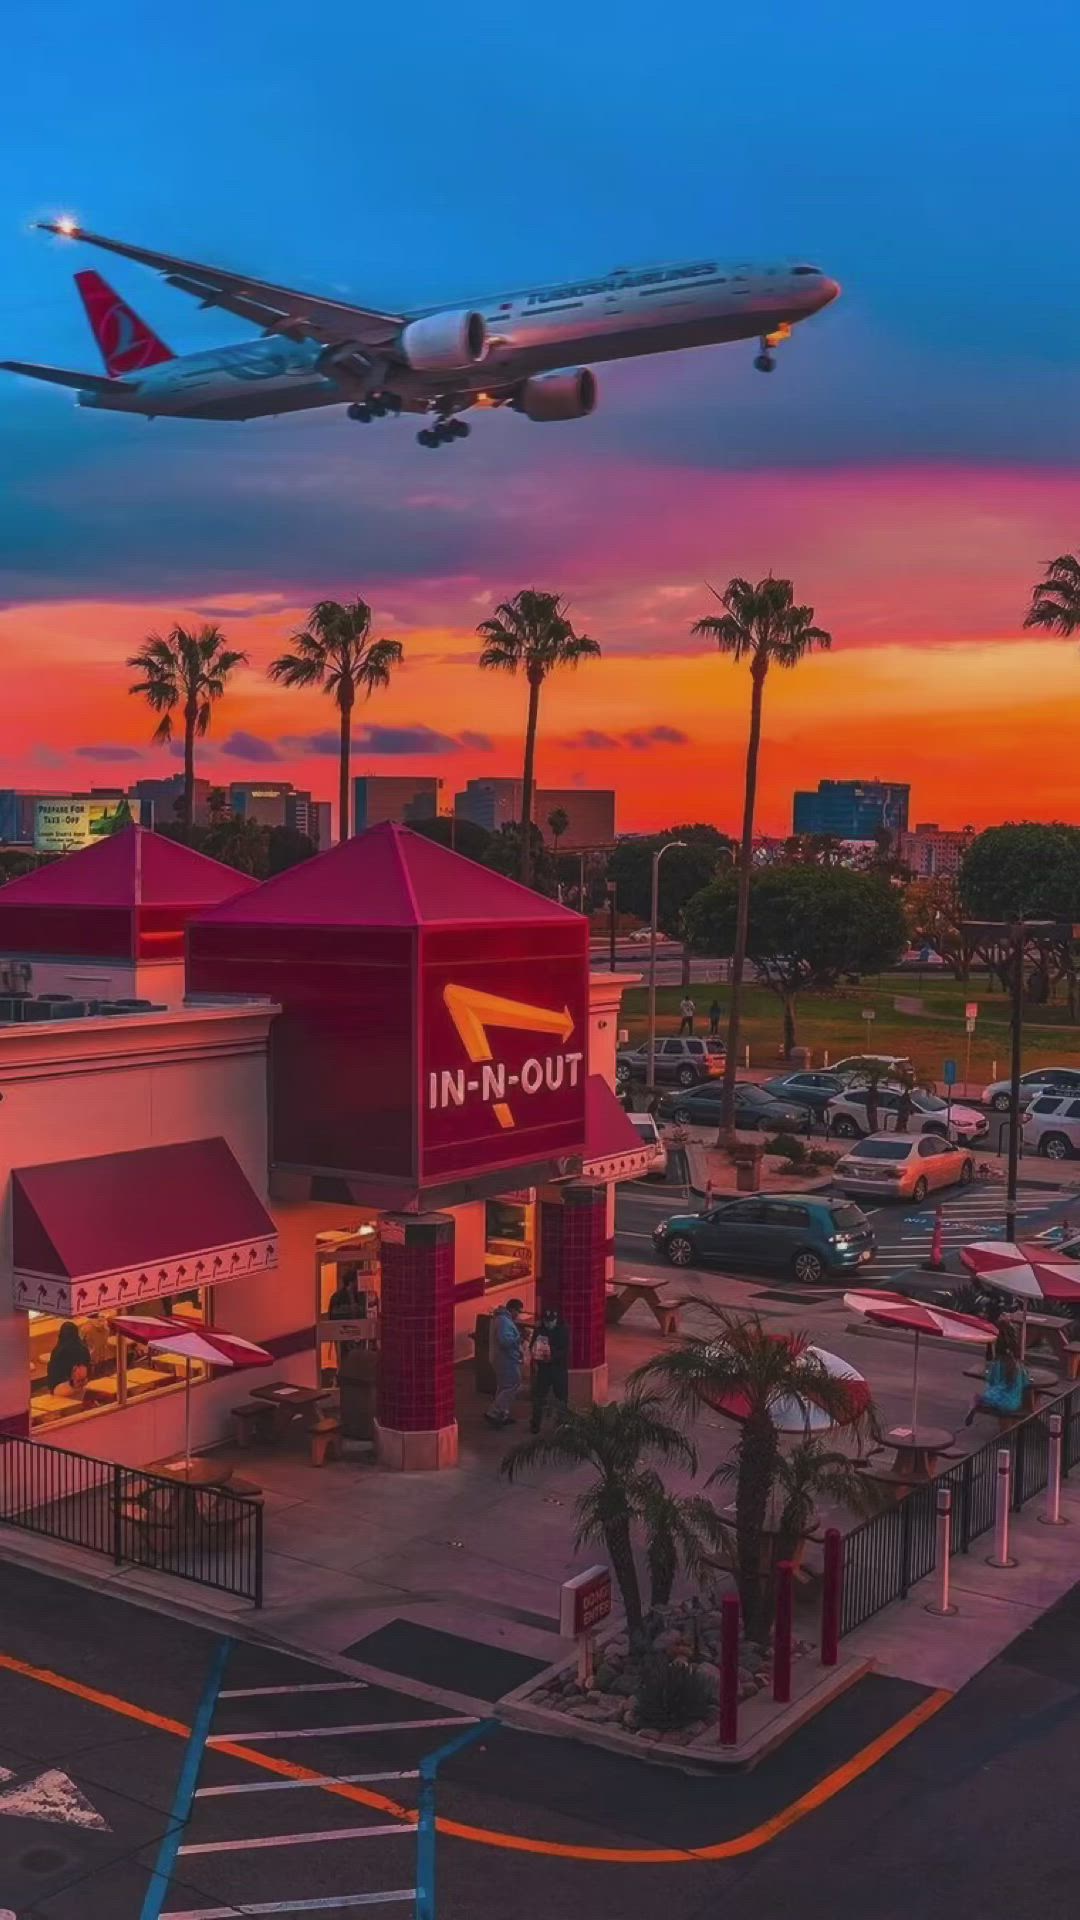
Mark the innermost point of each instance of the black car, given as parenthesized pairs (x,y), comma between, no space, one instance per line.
(805,1089)
(703,1106)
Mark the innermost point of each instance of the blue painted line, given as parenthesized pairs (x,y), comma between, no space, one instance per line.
(184,1797)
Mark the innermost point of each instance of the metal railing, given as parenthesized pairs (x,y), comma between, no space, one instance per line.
(886,1555)
(205,1534)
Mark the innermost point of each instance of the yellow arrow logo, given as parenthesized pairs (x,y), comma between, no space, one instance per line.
(473,1013)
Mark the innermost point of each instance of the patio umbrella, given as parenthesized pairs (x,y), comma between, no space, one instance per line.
(1027,1271)
(914,1316)
(790,1412)
(190,1340)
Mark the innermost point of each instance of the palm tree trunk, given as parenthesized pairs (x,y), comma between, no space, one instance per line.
(527,783)
(742,915)
(190,716)
(344,810)
(620,1547)
(757,1469)
(789,1024)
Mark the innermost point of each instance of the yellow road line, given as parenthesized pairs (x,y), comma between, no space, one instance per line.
(819,1795)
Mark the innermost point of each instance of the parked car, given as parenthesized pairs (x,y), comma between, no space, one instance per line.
(904,1166)
(1052,1127)
(848,1116)
(810,1090)
(649,1134)
(801,1234)
(702,1107)
(854,1064)
(682,1063)
(1032,1086)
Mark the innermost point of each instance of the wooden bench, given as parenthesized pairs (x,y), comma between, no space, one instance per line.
(623,1294)
(325,1437)
(253,1421)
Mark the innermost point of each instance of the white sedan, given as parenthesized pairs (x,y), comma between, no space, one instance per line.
(848,1115)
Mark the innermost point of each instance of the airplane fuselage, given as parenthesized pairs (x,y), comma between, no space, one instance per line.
(615,316)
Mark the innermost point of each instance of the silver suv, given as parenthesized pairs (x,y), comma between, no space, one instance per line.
(1052,1127)
(679,1063)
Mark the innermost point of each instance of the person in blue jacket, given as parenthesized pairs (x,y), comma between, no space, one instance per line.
(508,1360)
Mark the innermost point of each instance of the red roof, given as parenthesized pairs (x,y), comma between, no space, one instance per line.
(129,895)
(388,877)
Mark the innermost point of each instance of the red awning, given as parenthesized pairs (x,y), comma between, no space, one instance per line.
(613,1151)
(120,1227)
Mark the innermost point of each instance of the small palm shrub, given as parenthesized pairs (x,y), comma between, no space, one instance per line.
(672,1694)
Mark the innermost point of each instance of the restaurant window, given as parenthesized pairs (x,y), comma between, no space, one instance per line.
(508,1240)
(80,1366)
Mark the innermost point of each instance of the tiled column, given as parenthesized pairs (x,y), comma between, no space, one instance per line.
(573,1255)
(415,1424)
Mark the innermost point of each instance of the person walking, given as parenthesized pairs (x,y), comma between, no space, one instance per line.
(550,1347)
(687,1009)
(716,1012)
(508,1359)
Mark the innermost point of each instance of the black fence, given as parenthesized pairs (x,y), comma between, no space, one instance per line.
(205,1534)
(885,1556)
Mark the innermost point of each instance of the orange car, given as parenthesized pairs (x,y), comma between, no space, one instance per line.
(904,1166)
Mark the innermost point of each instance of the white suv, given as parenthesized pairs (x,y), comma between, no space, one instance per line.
(1052,1127)
(848,1115)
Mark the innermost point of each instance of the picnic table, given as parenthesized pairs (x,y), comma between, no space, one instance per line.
(1048,1332)
(915,1453)
(290,1402)
(192,1473)
(624,1294)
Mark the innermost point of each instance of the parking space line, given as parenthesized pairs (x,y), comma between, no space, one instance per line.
(317,1836)
(310,1686)
(324,1733)
(292,1786)
(335,1900)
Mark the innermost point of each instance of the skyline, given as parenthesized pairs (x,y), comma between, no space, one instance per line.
(910,463)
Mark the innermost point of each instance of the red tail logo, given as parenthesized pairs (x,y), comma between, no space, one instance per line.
(127,344)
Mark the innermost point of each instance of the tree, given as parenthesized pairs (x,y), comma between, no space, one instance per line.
(217,805)
(737,1357)
(618,1441)
(503,855)
(244,844)
(187,671)
(1055,599)
(935,918)
(683,871)
(761,624)
(807,927)
(462,836)
(1025,867)
(558,821)
(873,1072)
(531,634)
(335,651)
(679,1529)
(287,847)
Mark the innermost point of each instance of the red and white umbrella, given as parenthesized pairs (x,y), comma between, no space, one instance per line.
(191,1340)
(1027,1271)
(796,1413)
(919,1318)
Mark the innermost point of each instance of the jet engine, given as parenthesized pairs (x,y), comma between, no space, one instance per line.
(444,342)
(567,395)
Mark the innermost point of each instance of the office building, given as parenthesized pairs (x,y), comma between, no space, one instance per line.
(495,803)
(277,803)
(401,799)
(166,799)
(929,850)
(853,809)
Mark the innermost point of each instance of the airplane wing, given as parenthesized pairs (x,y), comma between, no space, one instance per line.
(300,316)
(60,377)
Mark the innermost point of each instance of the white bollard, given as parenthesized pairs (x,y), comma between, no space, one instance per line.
(1002,1497)
(747,1056)
(944,1552)
(1053,1516)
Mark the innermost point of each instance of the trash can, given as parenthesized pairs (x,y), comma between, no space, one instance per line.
(356,1385)
(800,1058)
(748,1156)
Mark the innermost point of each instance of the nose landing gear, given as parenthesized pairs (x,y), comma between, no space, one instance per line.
(765,361)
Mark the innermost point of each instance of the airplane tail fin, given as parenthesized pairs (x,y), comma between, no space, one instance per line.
(126,343)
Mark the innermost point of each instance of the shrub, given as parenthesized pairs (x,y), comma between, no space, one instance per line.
(672,1694)
(821,1157)
(787,1146)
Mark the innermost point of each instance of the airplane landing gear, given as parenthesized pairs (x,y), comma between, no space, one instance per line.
(765,363)
(443,432)
(375,407)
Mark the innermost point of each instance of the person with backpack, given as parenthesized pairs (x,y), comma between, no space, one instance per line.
(550,1349)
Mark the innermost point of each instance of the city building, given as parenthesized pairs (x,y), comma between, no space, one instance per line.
(929,849)
(853,809)
(165,796)
(495,803)
(277,803)
(399,798)
(162,1156)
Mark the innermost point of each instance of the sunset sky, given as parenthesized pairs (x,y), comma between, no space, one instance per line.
(911,463)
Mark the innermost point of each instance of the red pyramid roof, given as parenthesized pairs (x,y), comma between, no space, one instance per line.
(128,895)
(388,877)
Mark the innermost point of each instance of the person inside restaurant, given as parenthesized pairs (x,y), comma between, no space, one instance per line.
(68,1369)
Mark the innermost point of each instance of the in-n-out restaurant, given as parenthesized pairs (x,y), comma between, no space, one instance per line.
(217,1098)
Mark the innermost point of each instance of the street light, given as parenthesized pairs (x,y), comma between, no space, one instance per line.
(650,1072)
(1016,933)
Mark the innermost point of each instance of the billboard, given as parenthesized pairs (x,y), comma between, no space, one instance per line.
(64,823)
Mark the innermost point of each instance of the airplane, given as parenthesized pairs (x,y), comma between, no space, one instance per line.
(519,350)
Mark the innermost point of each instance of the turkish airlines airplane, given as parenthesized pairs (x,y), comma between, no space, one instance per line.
(518,350)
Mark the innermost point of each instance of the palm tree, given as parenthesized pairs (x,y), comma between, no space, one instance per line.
(335,651)
(558,822)
(1055,599)
(682,1528)
(614,1440)
(188,671)
(762,624)
(737,1357)
(874,1074)
(531,633)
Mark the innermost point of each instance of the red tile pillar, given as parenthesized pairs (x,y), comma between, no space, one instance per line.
(573,1257)
(415,1423)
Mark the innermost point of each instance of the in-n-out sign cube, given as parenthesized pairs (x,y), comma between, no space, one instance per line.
(584,1602)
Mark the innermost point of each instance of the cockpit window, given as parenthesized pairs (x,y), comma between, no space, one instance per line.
(806,269)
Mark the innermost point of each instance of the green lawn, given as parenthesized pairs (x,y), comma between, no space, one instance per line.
(833,1023)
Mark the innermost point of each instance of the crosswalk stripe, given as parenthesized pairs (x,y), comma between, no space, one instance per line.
(318,1836)
(292,1786)
(335,1900)
(309,1686)
(328,1733)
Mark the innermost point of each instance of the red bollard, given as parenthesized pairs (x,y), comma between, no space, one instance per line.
(781,1672)
(937,1244)
(729,1669)
(831,1592)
